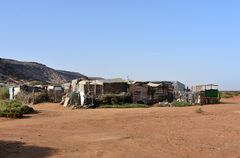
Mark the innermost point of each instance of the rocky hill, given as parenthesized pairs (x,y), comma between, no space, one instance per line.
(17,71)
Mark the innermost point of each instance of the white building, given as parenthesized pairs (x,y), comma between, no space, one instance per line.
(178,86)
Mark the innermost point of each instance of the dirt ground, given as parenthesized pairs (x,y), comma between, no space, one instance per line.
(131,133)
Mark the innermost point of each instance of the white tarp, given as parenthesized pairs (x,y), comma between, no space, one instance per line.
(153,84)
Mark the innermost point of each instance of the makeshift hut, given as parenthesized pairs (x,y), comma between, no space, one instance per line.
(87,91)
(139,92)
(151,92)
(115,86)
(159,92)
(55,93)
(15,90)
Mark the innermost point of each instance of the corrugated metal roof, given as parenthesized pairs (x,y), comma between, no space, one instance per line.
(114,80)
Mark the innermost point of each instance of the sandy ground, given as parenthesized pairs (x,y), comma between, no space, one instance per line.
(131,133)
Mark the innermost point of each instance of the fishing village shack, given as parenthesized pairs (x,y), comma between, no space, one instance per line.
(115,86)
(180,92)
(26,89)
(55,93)
(139,92)
(178,86)
(86,91)
(151,92)
(66,87)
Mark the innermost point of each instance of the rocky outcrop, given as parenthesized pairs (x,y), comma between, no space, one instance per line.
(12,70)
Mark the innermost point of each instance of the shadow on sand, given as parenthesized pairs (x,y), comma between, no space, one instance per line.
(228,102)
(16,149)
(26,116)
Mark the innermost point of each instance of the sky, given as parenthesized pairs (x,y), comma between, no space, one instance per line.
(195,42)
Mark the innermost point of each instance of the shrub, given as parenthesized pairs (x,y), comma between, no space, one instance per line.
(40,97)
(34,82)
(23,97)
(27,110)
(199,111)
(12,103)
(11,112)
(229,94)
(114,99)
(181,104)
(29,98)
(14,109)
(4,93)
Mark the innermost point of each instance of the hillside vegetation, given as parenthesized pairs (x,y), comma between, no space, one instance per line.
(229,94)
(14,109)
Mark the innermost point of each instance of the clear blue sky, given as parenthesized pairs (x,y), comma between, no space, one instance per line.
(193,41)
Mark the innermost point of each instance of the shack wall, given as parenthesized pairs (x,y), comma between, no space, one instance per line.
(115,88)
(139,93)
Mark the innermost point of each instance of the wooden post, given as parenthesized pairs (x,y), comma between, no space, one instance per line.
(33,95)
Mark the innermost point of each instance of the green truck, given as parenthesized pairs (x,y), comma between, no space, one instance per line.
(207,94)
